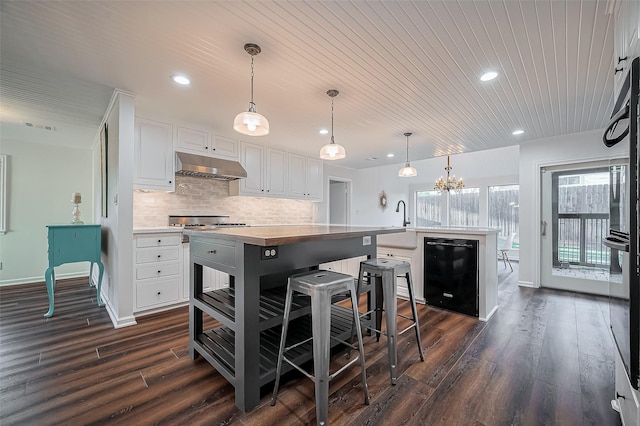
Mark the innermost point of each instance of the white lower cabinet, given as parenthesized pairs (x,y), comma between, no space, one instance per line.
(346,266)
(212,279)
(411,256)
(627,397)
(158,270)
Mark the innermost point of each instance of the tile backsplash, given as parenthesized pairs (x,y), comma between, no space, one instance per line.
(196,196)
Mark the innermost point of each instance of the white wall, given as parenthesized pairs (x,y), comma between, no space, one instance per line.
(40,180)
(574,148)
(478,169)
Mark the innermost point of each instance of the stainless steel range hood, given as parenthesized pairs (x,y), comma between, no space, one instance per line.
(208,167)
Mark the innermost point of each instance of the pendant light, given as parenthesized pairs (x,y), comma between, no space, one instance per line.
(407,170)
(251,123)
(332,150)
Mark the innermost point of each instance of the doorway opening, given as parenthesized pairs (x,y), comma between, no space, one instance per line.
(339,201)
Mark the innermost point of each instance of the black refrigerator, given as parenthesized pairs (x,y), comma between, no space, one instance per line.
(624,277)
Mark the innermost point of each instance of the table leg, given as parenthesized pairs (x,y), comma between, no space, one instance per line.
(391,312)
(50,281)
(91,284)
(99,284)
(247,342)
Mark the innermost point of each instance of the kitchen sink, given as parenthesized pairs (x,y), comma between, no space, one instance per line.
(404,240)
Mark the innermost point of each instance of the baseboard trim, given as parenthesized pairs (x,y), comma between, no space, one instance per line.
(526,284)
(118,322)
(493,311)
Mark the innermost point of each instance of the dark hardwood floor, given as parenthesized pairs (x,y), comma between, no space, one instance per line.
(545,358)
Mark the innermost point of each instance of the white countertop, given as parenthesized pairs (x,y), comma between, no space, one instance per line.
(157,230)
(473,230)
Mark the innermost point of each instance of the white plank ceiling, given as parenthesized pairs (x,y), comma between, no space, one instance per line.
(399,66)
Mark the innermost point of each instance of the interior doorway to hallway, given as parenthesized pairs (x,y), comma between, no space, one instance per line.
(339,201)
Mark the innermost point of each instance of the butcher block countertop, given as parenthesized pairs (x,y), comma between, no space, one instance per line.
(290,234)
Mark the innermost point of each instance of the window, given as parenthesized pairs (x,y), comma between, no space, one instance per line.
(428,208)
(504,210)
(464,207)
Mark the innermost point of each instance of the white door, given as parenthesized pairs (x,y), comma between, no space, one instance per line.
(574,219)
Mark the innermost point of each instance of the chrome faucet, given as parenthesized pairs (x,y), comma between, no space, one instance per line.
(405,219)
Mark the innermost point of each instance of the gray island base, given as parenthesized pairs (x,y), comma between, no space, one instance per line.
(243,347)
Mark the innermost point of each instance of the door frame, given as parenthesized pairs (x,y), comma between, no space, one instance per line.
(537,241)
(349,187)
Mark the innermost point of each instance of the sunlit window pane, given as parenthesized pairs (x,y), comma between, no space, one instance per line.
(504,209)
(428,208)
(464,207)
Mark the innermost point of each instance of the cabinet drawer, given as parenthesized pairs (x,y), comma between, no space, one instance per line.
(158,255)
(218,253)
(157,292)
(158,240)
(158,270)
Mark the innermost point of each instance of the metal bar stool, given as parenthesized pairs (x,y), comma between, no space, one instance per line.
(320,286)
(388,270)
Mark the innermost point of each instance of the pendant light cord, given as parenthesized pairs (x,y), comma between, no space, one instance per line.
(332,140)
(407,150)
(252,106)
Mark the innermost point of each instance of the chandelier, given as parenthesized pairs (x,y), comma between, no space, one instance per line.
(450,183)
(250,122)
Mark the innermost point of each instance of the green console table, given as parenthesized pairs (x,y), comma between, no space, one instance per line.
(72,243)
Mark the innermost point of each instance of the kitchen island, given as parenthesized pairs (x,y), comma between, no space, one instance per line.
(243,348)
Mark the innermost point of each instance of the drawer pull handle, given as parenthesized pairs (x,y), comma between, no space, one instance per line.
(158,256)
(618,396)
(159,241)
(159,271)
(158,293)
(212,252)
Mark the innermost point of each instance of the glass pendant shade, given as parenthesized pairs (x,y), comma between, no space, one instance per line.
(251,123)
(332,151)
(408,171)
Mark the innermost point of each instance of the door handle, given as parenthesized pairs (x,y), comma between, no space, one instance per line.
(543,228)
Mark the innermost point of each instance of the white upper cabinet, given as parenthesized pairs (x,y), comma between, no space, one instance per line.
(224,147)
(276,172)
(252,159)
(203,143)
(154,167)
(305,177)
(626,39)
(266,172)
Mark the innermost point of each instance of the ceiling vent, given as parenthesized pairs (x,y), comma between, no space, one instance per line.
(40,126)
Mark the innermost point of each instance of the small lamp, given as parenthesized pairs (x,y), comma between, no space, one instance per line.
(76,199)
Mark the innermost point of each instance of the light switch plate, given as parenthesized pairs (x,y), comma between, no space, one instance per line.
(366,241)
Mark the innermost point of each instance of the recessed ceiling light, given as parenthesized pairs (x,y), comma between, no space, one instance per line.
(324,131)
(181,79)
(390,155)
(490,75)
(518,132)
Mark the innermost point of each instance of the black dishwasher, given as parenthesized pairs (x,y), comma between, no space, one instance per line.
(451,274)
